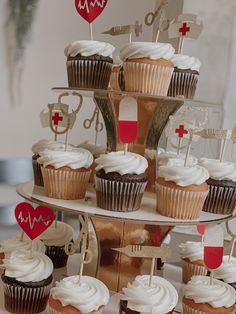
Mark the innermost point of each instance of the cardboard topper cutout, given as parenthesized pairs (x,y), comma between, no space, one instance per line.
(59,115)
(90,9)
(233,136)
(33,221)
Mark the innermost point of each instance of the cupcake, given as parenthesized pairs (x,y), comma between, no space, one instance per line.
(117,80)
(202,297)
(55,238)
(78,295)
(120,181)
(89,64)
(181,191)
(192,260)
(66,173)
(147,67)
(27,281)
(140,298)
(227,271)
(16,243)
(185,76)
(222,186)
(38,147)
(150,155)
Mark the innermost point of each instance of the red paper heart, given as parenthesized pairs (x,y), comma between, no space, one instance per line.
(34,221)
(201,228)
(90,9)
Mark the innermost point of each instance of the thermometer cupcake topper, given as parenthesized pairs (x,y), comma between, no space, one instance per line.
(185,26)
(128,121)
(213,248)
(90,10)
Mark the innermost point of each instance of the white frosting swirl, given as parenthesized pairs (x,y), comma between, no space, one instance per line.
(227,270)
(219,170)
(185,62)
(122,163)
(95,150)
(74,159)
(86,295)
(219,294)
(164,157)
(25,267)
(89,48)
(161,297)
(51,145)
(15,243)
(184,176)
(149,50)
(191,250)
(57,236)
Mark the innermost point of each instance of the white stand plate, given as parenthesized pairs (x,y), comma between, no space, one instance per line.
(147,214)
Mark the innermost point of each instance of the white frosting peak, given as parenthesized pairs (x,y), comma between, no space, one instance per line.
(184,176)
(57,236)
(74,159)
(26,268)
(89,48)
(164,157)
(86,295)
(15,243)
(161,297)
(219,170)
(219,294)
(191,250)
(122,163)
(48,144)
(149,50)
(185,62)
(227,270)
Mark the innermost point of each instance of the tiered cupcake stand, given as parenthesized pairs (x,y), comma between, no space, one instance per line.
(116,229)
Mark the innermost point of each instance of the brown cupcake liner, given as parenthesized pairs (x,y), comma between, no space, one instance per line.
(25,300)
(89,73)
(125,310)
(57,255)
(192,269)
(38,178)
(189,310)
(62,184)
(119,196)
(179,204)
(147,78)
(220,200)
(183,84)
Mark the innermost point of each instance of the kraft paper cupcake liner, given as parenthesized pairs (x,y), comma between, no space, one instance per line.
(183,83)
(26,300)
(220,200)
(192,269)
(117,80)
(179,204)
(53,311)
(125,310)
(62,184)
(88,73)
(147,78)
(119,196)
(189,310)
(57,255)
(38,178)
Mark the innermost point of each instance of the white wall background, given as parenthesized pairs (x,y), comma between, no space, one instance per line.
(57,24)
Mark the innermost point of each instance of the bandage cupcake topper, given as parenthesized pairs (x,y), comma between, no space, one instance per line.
(213,248)
(128,120)
(125,30)
(150,252)
(90,10)
(186,26)
(58,117)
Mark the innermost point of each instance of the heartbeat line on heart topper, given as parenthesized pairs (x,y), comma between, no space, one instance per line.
(33,220)
(84,4)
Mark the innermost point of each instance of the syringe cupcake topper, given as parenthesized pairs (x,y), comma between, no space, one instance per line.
(125,30)
(90,10)
(186,26)
(58,118)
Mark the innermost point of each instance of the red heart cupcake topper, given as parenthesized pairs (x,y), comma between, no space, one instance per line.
(90,9)
(34,221)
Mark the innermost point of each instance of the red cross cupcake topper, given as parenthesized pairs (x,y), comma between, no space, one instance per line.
(56,118)
(184,29)
(181,131)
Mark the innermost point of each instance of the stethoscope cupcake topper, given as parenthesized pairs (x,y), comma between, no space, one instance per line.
(98,125)
(151,252)
(59,116)
(185,26)
(160,13)
(125,30)
(90,10)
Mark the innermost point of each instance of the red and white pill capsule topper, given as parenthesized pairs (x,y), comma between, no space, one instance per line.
(213,247)
(128,120)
